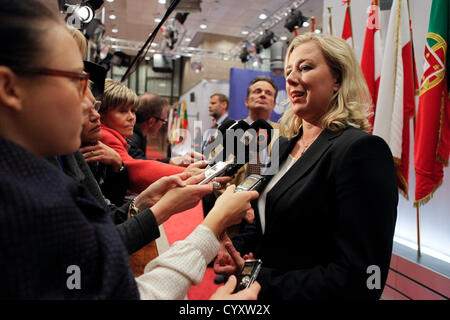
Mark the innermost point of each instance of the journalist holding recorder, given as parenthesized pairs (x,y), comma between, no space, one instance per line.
(329,213)
(49,223)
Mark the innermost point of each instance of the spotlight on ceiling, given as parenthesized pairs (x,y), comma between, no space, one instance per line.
(244,54)
(79,15)
(181,17)
(295,20)
(265,40)
(85,14)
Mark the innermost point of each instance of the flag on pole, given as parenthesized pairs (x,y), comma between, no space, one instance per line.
(395,103)
(184,122)
(372,55)
(347,33)
(313,24)
(432,136)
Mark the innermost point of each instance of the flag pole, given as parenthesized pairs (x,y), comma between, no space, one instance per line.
(419,254)
(330,25)
(350,19)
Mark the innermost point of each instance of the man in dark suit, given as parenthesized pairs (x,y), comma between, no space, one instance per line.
(150,117)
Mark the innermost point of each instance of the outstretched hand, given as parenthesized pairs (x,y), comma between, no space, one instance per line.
(154,192)
(229,260)
(230,208)
(180,198)
(226,291)
(187,159)
(102,153)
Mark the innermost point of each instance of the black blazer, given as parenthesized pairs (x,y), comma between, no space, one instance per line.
(329,218)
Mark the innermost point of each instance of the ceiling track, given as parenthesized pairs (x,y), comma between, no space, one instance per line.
(233,55)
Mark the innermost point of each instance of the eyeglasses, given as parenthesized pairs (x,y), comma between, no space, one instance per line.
(97,105)
(82,76)
(162,120)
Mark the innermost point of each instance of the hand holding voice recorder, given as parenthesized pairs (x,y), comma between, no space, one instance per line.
(248,274)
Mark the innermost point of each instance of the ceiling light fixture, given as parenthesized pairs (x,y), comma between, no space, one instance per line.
(244,32)
(114,30)
(112,17)
(162,1)
(262,16)
(295,20)
(203,26)
(85,14)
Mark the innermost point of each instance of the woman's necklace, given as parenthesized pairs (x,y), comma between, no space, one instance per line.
(304,149)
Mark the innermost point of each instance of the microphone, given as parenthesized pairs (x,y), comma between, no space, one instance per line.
(230,141)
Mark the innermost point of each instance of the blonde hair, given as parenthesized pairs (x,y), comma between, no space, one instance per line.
(351,104)
(116,94)
(80,40)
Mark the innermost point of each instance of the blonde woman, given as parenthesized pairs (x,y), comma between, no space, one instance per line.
(326,220)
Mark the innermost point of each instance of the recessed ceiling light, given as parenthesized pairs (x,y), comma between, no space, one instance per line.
(262,16)
(154,44)
(113,17)
(203,26)
(317,31)
(162,1)
(245,32)
(114,30)
(305,24)
(283,38)
(157,20)
(187,39)
(110,0)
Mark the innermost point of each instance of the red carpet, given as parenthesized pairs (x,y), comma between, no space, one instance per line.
(178,227)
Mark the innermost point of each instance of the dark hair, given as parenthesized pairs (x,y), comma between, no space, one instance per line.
(222,98)
(263,78)
(150,105)
(22,27)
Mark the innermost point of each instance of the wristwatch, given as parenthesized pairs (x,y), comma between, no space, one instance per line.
(132,209)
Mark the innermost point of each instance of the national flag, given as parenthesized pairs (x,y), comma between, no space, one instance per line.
(432,136)
(313,24)
(372,55)
(184,122)
(347,33)
(395,103)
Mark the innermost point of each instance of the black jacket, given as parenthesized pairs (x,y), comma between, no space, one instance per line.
(329,218)
(135,232)
(53,231)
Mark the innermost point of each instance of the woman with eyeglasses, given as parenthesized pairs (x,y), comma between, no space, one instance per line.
(56,240)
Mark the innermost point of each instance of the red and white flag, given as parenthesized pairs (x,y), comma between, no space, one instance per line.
(372,54)
(347,33)
(395,103)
